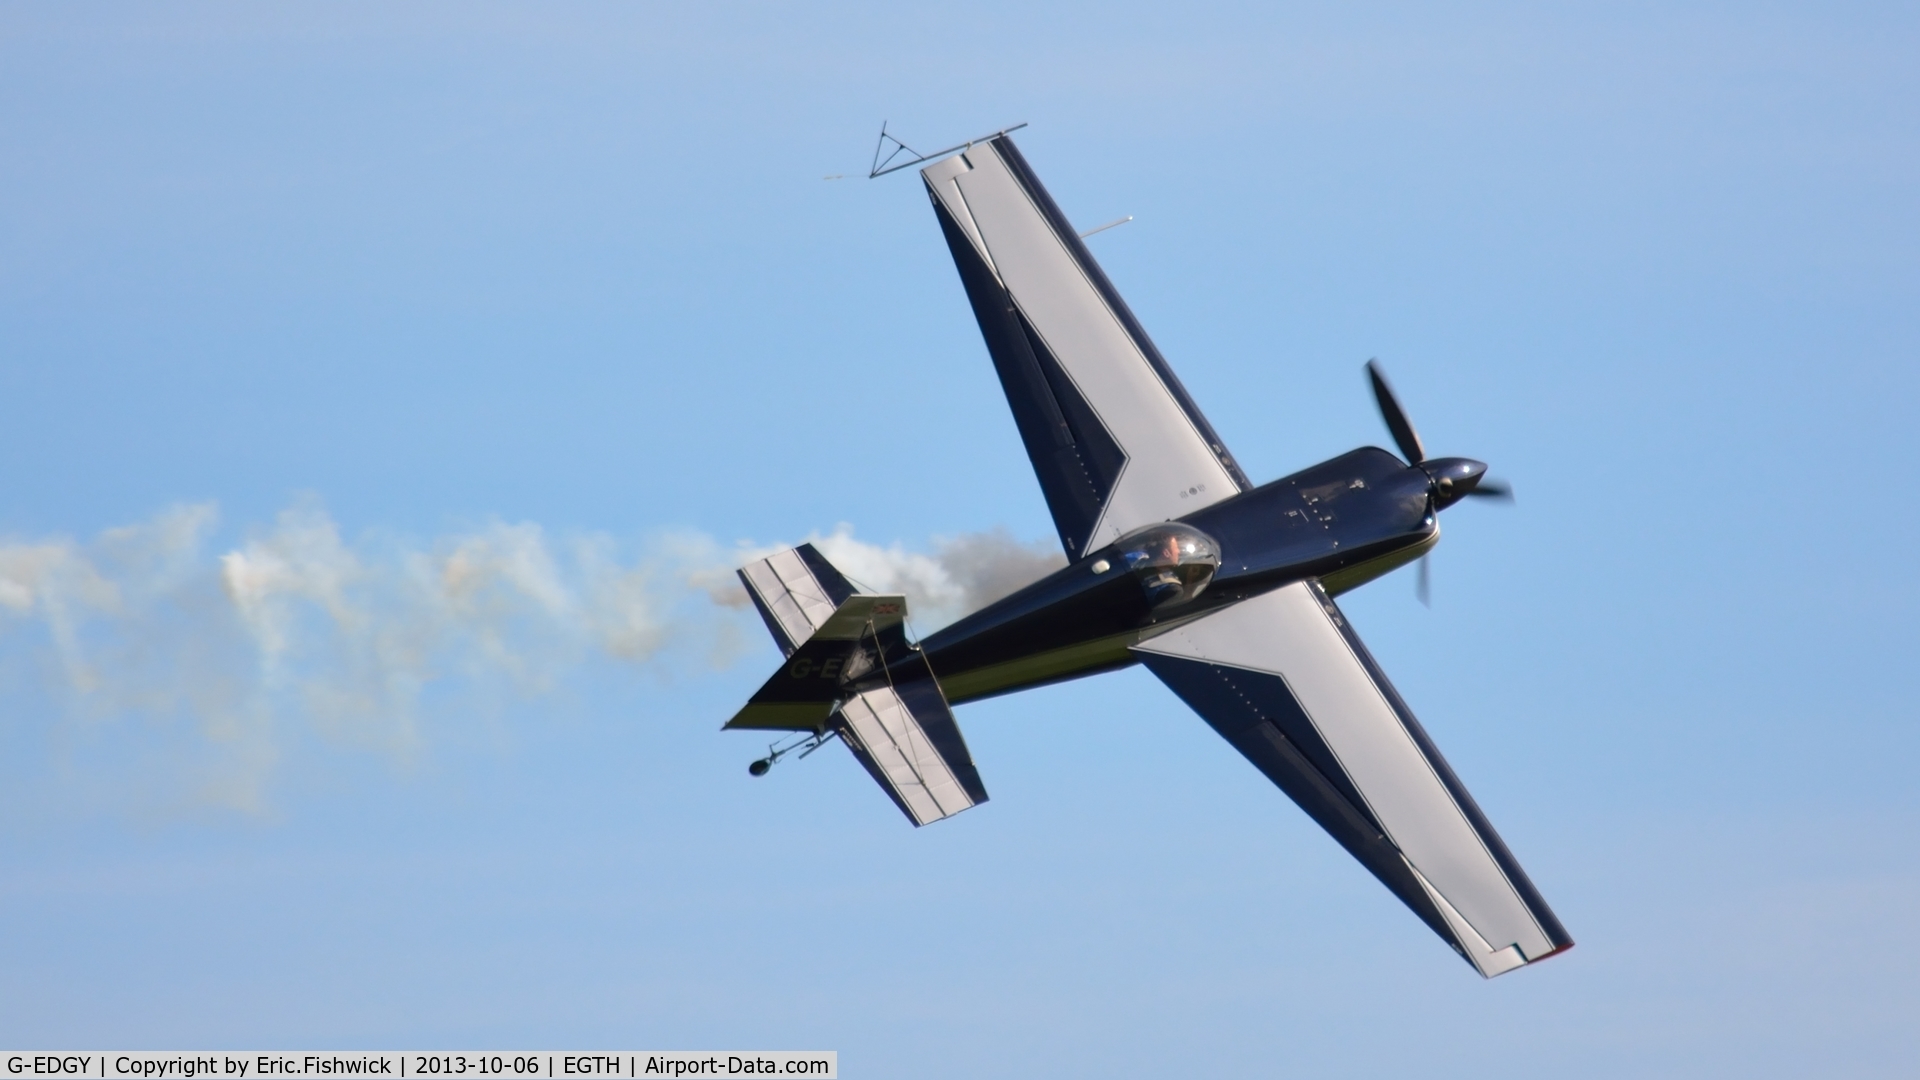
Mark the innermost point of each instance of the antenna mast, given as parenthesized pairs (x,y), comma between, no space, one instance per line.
(883,166)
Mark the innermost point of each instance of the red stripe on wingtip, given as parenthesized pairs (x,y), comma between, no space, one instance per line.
(1554,953)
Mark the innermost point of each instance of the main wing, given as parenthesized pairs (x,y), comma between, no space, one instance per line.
(1114,438)
(1283,677)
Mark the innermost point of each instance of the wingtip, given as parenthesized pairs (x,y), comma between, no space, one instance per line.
(1550,955)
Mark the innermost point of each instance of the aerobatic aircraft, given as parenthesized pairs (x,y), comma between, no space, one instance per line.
(1221,588)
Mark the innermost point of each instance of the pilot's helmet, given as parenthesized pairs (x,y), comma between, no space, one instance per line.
(1173,562)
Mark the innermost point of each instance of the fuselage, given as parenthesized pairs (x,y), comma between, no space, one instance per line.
(1345,521)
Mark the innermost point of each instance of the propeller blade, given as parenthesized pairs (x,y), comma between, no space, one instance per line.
(1493,489)
(1396,417)
(1423,583)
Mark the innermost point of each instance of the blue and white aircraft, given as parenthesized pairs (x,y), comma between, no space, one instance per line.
(1224,590)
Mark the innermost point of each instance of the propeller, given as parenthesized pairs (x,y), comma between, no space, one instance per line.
(1404,436)
(1452,479)
(1493,489)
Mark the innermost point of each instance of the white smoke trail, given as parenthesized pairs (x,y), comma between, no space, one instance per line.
(963,574)
(218,666)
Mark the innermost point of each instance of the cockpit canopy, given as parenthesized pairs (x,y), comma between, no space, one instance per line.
(1173,562)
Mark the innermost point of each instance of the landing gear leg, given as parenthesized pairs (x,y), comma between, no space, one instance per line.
(807,745)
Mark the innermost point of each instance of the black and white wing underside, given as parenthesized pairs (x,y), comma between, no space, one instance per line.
(1283,677)
(1114,438)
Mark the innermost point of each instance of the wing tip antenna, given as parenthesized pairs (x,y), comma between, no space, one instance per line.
(883,165)
(1109,225)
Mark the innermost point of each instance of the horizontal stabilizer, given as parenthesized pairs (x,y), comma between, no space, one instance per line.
(906,736)
(795,590)
(850,669)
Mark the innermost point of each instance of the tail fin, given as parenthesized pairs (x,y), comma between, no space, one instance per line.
(850,669)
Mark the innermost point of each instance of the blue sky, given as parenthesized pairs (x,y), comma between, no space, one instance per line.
(495,279)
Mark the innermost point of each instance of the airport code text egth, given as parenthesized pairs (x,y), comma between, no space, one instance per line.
(149,1066)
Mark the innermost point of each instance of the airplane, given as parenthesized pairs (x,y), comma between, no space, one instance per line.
(1221,588)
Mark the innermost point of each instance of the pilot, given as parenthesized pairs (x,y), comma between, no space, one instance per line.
(1166,584)
(1170,551)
